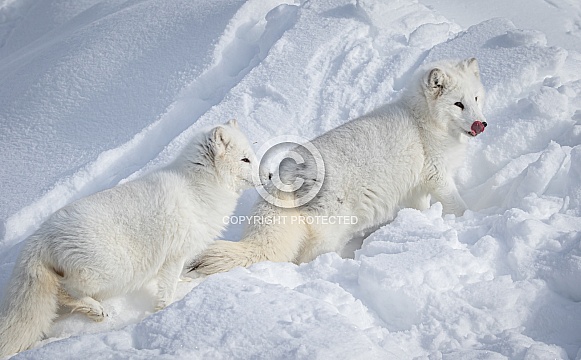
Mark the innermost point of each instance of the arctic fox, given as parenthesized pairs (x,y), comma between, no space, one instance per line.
(115,241)
(397,155)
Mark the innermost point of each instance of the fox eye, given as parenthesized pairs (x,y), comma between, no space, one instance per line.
(246,160)
(460,105)
(476,98)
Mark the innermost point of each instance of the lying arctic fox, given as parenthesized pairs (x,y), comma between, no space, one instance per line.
(397,155)
(115,241)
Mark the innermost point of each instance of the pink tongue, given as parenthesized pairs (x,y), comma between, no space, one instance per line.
(477,127)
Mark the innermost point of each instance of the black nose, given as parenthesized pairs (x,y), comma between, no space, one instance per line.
(484,123)
(269,176)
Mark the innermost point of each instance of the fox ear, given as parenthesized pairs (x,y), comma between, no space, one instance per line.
(233,123)
(219,140)
(471,64)
(436,81)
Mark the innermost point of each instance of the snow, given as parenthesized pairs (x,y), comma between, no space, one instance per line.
(98,92)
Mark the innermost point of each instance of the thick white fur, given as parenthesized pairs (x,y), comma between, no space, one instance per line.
(397,155)
(116,240)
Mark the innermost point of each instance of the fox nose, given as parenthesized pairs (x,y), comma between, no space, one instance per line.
(269,176)
(485,123)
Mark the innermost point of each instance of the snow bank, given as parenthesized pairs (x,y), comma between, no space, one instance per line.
(102,92)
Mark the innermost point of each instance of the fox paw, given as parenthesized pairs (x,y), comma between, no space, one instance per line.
(161,305)
(90,307)
(97,314)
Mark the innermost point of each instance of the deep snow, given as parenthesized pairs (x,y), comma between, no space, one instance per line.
(97,92)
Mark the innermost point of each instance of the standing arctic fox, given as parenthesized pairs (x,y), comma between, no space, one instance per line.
(115,241)
(397,155)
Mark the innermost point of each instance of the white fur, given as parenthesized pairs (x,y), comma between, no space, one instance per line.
(397,155)
(116,240)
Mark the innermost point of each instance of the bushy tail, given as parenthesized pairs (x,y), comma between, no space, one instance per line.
(274,234)
(30,305)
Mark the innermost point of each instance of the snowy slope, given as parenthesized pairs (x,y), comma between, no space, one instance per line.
(97,92)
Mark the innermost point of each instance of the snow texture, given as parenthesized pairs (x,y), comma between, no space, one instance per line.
(96,92)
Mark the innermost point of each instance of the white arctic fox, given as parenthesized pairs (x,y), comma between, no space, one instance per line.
(397,155)
(115,241)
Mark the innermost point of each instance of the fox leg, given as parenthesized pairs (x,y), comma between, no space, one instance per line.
(83,304)
(279,240)
(167,279)
(323,239)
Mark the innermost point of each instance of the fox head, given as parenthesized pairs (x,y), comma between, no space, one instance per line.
(455,97)
(225,152)
(234,160)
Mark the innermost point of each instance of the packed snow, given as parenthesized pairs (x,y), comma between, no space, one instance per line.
(97,92)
